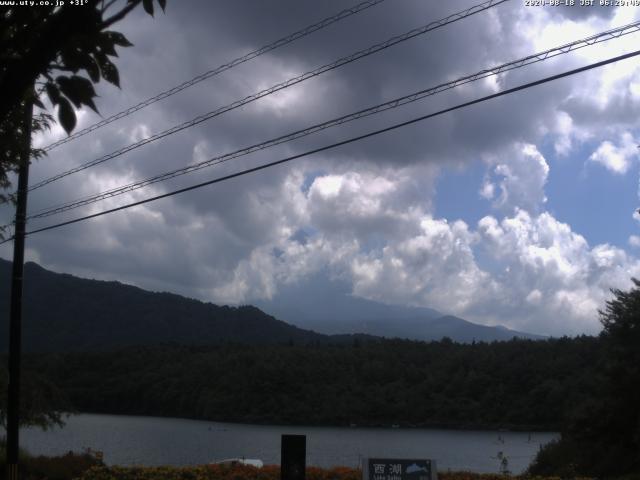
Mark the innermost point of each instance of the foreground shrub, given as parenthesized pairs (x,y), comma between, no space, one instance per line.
(269,472)
(22,455)
(555,458)
(202,472)
(65,467)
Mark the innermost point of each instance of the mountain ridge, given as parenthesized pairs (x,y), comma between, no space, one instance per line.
(329,308)
(63,312)
(67,313)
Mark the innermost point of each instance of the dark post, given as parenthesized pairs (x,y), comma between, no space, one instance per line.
(15,319)
(293,458)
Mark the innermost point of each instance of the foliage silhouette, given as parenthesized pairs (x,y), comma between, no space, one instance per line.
(602,434)
(58,51)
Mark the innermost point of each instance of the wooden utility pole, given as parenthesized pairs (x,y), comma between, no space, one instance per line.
(15,319)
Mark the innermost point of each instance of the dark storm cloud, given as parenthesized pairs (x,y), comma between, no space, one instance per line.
(222,30)
(417,64)
(194,38)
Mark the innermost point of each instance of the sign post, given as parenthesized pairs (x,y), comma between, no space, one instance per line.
(293,457)
(398,469)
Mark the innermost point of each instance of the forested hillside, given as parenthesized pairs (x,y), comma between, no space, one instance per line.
(63,312)
(516,384)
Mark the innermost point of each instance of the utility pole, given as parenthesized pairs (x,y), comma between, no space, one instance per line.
(15,319)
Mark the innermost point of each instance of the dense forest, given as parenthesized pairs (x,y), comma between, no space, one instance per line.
(518,384)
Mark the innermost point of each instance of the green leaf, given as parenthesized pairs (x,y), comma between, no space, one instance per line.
(163,4)
(79,90)
(77,58)
(70,60)
(106,44)
(108,48)
(66,115)
(108,69)
(117,38)
(52,92)
(65,86)
(89,103)
(148,6)
(92,69)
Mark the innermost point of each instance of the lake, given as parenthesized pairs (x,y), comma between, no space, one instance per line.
(130,440)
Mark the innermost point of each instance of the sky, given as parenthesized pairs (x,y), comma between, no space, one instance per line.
(518,211)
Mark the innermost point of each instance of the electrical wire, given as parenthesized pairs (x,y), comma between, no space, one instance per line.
(280,86)
(397,102)
(338,144)
(211,73)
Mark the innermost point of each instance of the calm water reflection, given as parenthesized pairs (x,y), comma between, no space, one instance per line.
(168,441)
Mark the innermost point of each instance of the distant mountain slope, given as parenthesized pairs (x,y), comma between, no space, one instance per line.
(464,331)
(326,308)
(304,302)
(67,313)
(63,312)
(424,328)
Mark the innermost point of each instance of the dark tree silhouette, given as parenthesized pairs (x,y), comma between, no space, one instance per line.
(602,436)
(61,52)
(43,403)
(621,376)
(58,51)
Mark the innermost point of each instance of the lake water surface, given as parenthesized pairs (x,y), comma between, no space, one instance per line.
(128,440)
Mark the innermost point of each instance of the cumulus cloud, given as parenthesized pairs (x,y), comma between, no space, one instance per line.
(552,276)
(616,158)
(488,189)
(362,204)
(527,271)
(567,135)
(435,267)
(520,174)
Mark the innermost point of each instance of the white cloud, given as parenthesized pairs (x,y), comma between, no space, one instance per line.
(520,173)
(634,241)
(567,134)
(527,271)
(435,267)
(534,297)
(487,190)
(616,158)
(539,275)
(138,133)
(539,244)
(370,202)
(545,259)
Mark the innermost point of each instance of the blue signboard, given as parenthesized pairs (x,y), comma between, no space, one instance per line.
(398,469)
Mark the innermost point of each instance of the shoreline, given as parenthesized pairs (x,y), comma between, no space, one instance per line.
(383,426)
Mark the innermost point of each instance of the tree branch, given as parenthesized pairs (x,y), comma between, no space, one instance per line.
(108,5)
(62,68)
(120,15)
(41,50)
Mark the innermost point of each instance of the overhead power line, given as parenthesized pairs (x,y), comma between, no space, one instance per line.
(397,102)
(338,144)
(211,73)
(280,86)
